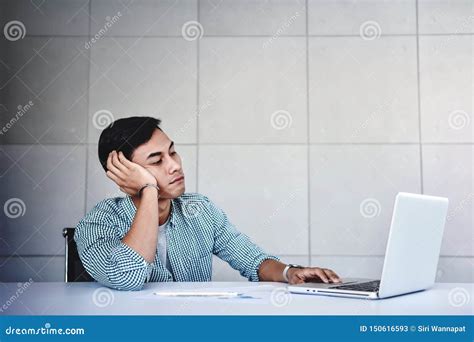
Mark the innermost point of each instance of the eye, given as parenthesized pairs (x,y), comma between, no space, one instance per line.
(157,162)
(173,153)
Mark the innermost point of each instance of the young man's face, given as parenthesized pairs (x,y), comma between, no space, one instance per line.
(159,157)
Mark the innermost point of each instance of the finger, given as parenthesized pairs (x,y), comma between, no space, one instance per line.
(111,167)
(297,279)
(331,275)
(334,276)
(293,278)
(113,177)
(109,160)
(116,162)
(319,273)
(125,161)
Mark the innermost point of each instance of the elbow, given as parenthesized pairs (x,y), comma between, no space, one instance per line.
(127,281)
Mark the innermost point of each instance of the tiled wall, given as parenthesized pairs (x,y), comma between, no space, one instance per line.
(302,120)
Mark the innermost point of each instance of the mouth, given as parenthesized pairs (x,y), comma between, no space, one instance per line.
(177,180)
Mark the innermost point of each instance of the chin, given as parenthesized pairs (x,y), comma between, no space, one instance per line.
(176,193)
(181,191)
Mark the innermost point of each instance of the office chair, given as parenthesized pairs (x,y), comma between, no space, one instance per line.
(74,270)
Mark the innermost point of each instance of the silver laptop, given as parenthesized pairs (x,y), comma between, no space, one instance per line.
(411,257)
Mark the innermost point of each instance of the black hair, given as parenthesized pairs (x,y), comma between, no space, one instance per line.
(126,135)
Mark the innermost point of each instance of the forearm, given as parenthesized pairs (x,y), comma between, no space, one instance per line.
(143,234)
(124,269)
(271,270)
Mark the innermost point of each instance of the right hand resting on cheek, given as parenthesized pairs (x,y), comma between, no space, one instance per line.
(129,176)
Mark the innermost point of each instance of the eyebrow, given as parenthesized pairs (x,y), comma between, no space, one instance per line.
(154,154)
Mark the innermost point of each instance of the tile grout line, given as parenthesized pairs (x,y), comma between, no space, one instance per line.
(419,97)
(198,110)
(308,131)
(86,179)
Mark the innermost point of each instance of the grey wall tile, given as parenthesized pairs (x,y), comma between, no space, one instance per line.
(44,187)
(355,97)
(367,18)
(438,16)
(221,271)
(446,88)
(263,189)
(455,270)
(52,17)
(448,171)
(52,73)
(252,90)
(99,186)
(141,17)
(353,190)
(4,115)
(151,76)
(38,269)
(3,14)
(254,17)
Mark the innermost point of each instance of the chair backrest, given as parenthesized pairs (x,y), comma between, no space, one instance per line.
(74,270)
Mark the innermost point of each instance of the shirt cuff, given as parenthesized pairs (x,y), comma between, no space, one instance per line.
(258,261)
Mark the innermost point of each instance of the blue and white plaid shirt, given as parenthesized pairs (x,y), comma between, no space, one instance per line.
(197,229)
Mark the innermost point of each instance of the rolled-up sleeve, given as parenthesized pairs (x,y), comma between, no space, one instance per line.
(235,247)
(105,257)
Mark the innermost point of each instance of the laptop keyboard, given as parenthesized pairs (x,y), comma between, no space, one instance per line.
(370,286)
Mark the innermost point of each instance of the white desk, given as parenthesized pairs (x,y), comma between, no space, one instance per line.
(92,299)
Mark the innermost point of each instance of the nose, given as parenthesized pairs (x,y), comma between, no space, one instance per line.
(174,165)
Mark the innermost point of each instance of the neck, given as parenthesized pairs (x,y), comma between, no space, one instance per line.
(164,207)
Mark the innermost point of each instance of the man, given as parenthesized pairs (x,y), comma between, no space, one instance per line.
(158,232)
